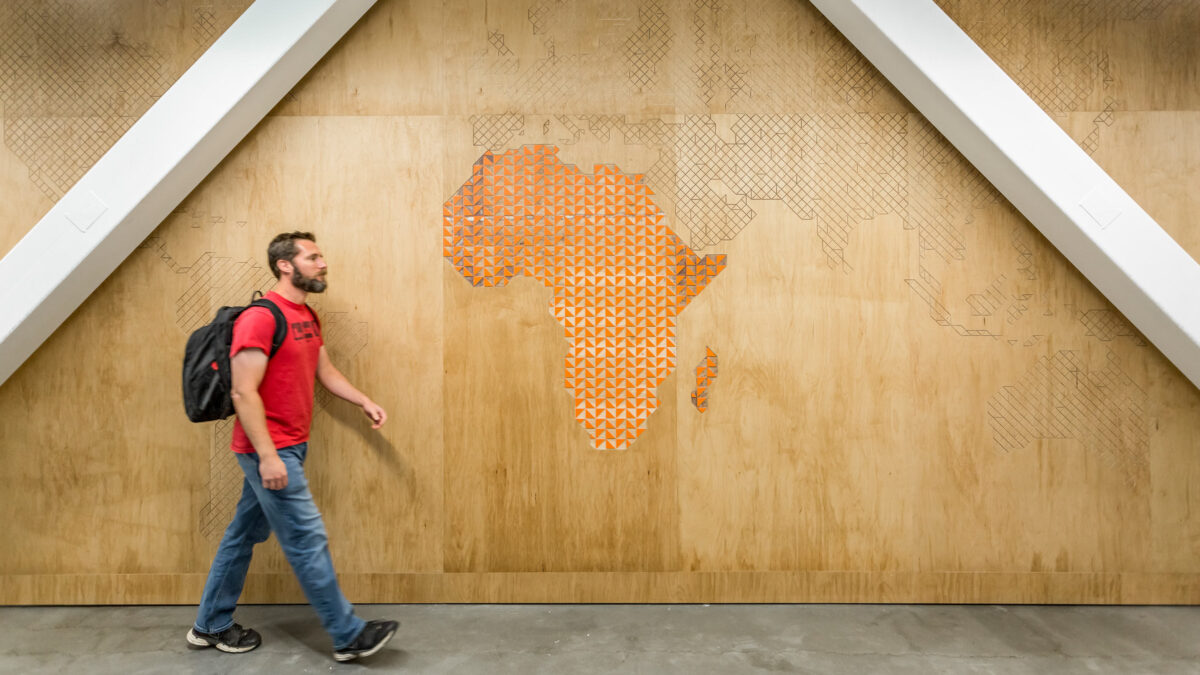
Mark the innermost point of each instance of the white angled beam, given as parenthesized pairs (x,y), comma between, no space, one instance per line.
(1045,174)
(162,157)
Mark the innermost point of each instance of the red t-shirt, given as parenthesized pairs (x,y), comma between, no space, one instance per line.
(287,386)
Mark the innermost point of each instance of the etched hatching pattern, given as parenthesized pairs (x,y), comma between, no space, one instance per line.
(495,131)
(551,79)
(1059,397)
(738,55)
(217,281)
(491,65)
(573,128)
(846,72)
(213,283)
(1050,48)
(716,55)
(1091,142)
(990,300)
(496,39)
(707,64)
(943,193)
(1015,33)
(647,45)
(1023,245)
(204,28)
(541,12)
(211,19)
(546,81)
(70,87)
(225,481)
(1107,325)
(766,56)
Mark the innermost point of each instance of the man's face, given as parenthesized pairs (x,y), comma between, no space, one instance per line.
(308,267)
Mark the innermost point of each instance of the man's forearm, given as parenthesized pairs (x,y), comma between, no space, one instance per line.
(339,386)
(253,416)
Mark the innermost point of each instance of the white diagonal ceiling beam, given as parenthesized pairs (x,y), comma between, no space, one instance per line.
(1042,172)
(162,157)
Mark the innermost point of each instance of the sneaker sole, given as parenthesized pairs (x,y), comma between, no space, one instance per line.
(370,652)
(197,642)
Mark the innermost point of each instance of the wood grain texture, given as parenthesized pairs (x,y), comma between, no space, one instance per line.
(918,398)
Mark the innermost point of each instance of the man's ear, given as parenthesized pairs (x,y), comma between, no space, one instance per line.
(279,265)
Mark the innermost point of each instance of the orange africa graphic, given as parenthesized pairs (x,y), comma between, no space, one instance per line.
(619,275)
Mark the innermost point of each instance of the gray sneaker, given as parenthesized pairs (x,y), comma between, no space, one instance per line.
(373,637)
(234,639)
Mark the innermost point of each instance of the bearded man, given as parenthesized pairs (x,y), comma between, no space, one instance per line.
(273,398)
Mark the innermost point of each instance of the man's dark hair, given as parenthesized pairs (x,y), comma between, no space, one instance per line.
(283,247)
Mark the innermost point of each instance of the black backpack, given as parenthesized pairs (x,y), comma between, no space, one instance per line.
(207,380)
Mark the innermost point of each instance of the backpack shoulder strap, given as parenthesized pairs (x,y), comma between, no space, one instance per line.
(316,318)
(281,326)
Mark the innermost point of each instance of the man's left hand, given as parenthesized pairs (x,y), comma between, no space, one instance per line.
(374,413)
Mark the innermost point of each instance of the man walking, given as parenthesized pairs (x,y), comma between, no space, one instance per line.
(273,398)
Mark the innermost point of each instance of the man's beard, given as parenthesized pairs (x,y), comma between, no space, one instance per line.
(308,284)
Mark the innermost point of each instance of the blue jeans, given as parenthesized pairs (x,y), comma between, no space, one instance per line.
(291,514)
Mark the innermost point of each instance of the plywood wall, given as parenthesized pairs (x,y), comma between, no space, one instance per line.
(908,395)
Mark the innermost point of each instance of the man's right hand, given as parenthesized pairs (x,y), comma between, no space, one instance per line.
(273,473)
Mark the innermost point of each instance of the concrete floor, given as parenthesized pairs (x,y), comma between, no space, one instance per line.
(689,639)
